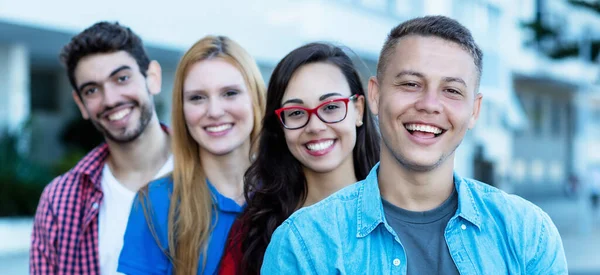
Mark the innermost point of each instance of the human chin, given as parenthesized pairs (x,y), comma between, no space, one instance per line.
(320,161)
(220,147)
(131,129)
(321,166)
(419,160)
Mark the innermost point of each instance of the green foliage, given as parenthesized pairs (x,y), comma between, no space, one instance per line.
(80,135)
(540,31)
(550,39)
(591,5)
(21,180)
(68,161)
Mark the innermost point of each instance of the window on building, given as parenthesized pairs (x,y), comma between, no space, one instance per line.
(537,118)
(44,91)
(557,117)
(537,170)
(525,107)
(519,170)
(557,171)
(482,18)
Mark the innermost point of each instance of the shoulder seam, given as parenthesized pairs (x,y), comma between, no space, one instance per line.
(540,239)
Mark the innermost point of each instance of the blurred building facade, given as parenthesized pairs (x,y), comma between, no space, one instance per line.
(560,99)
(538,120)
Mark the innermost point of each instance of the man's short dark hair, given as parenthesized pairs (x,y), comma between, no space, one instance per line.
(436,26)
(103,37)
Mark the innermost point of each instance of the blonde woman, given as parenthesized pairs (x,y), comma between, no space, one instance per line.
(179,224)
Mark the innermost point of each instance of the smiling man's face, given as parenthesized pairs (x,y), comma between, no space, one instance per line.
(426,100)
(113,94)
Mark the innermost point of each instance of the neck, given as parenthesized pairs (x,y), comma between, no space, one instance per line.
(321,185)
(226,172)
(415,190)
(136,163)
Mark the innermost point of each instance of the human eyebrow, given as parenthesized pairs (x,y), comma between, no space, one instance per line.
(409,72)
(117,70)
(455,79)
(325,96)
(231,87)
(293,100)
(114,72)
(84,85)
(196,91)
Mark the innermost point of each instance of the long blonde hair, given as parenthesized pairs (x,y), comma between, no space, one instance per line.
(191,205)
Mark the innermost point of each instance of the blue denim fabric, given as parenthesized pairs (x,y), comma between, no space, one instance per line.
(491,232)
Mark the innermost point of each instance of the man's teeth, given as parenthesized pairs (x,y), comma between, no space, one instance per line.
(119,115)
(319,146)
(219,128)
(423,128)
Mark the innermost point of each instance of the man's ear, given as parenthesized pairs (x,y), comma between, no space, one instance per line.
(373,91)
(476,109)
(82,109)
(154,77)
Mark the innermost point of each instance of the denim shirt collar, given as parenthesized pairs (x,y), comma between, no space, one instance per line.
(370,208)
(467,208)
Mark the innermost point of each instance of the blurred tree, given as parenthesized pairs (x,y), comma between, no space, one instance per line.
(551,39)
(592,5)
(80,135)
(21,179)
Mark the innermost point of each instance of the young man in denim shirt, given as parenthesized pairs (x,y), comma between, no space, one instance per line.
(413,214)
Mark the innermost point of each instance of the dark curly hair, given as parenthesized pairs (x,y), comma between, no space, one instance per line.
(275,183)
(103,37)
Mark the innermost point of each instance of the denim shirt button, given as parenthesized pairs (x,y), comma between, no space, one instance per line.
(463,227)
(396,262)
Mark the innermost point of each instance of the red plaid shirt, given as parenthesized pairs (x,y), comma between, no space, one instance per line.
(65,231)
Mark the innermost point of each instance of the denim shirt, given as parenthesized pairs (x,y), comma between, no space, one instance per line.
(491,232)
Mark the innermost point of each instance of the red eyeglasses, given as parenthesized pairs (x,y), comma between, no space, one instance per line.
(332,111)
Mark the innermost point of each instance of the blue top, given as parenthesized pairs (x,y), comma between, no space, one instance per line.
(142,255)
(491,233)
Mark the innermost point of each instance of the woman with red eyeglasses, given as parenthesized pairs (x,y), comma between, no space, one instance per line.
(318,137)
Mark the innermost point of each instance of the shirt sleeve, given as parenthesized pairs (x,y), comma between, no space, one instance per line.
(287,253)
(549,257)
(144,250)
(42,254)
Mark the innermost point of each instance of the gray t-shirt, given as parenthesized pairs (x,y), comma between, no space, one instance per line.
(422,236)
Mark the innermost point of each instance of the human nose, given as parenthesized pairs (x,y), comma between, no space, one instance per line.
(315,124)
(112,97)
(429,102)
(215,108)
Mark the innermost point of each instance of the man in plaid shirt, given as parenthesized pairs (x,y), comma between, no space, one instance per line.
(82,214)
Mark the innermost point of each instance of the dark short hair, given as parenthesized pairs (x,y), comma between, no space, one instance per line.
(436,26)
(103,37)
